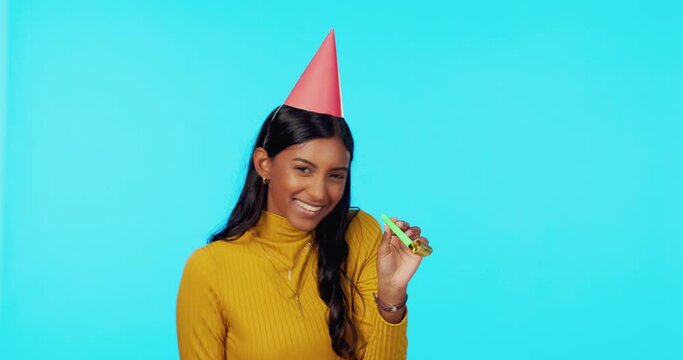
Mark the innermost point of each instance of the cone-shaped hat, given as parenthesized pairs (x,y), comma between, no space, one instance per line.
(318,88)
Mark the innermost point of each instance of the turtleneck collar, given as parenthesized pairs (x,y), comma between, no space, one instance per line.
(274,228)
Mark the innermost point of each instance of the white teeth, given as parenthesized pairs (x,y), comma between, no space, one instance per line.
(308,206)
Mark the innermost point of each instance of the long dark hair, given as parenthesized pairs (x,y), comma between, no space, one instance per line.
(284,127)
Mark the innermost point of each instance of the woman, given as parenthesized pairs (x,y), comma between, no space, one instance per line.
(295,273)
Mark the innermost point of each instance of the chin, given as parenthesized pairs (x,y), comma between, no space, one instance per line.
(304,225)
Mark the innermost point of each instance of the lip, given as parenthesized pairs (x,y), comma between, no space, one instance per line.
(306,212)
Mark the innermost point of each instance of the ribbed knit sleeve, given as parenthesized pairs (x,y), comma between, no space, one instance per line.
(385,340)
(201,328)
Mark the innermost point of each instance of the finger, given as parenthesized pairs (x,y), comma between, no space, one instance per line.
(398,244)
(395,241)
(424,240)
(386,237)
(414,232)
(403,225)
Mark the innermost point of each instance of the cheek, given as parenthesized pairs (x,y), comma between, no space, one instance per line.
(336,191)
(287,184)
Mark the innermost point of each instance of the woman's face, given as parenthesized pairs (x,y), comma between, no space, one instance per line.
(306,180)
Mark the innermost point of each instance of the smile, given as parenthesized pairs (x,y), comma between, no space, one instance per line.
(308,207)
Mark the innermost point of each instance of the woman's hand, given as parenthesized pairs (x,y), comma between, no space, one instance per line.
(396,263)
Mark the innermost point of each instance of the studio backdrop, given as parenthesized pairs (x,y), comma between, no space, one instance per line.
(537,145)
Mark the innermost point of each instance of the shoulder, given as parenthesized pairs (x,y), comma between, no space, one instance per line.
(364,230)
(202,259)
(199,269)
(362,221)
(216,254)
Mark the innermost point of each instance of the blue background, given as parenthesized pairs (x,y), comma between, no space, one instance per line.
(538,146)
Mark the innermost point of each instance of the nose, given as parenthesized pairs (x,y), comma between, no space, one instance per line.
(316,190)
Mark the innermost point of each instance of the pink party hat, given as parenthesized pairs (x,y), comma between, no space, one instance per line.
(318,88)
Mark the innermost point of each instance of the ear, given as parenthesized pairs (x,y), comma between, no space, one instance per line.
(262,162)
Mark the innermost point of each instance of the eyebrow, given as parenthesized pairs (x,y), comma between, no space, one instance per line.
(315,166)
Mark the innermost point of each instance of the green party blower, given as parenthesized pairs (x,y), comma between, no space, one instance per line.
(416,246)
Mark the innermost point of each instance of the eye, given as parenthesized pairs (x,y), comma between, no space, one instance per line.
(338,176)
(303,169)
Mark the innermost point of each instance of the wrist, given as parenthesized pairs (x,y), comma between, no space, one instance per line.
(390,308)
(393,295)
(390,287)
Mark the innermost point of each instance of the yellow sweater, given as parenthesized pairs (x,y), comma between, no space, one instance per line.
(237,301)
